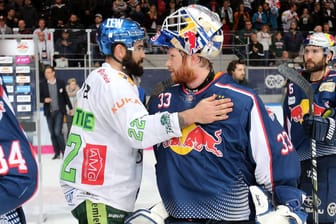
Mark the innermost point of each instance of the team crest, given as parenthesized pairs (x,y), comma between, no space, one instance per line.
(327,86)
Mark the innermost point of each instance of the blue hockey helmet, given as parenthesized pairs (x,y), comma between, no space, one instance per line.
(118,30)
(194,30)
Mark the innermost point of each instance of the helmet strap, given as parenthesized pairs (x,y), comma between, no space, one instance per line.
(112,50)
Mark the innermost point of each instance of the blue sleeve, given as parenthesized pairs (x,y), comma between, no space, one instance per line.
(277,162)
(18,166)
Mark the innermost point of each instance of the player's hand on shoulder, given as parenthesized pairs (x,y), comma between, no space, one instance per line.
(212,109)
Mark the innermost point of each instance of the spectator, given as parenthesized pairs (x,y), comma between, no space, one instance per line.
(316,15)
(240,17)
(4,29)
(255,51)
(265,38)
(42,27)
(54,99)
(283,59)
(293,40)
(305,22)
(145,5)
(226,14)
(58,11)
(277,47)
(71,88)
(212,5)
(11,19)
(59,29)
(77,36)
(272,14)
(259,18)
(45,50)
(227,42)
(288,17)
(64,49)
(152,20)
(309,4)
(326,29)
(244,38)
(172,8)
(318,29)
(248,6)
(88,10)
(161,6)
(138,15)
(29,13)
(119,9)
(329,16)
(3,10)
(22,27)
(97,57)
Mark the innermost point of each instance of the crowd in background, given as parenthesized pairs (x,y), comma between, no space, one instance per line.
(266,32)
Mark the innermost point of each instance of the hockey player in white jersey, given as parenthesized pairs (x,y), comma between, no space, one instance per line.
(102,167)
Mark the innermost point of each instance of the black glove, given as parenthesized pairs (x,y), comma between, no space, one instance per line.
(320,128)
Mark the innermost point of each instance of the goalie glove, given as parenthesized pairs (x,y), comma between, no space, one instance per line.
(267,214)
(155,215)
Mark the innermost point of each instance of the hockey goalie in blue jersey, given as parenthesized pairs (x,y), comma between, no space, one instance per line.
(205,176)
(18,166)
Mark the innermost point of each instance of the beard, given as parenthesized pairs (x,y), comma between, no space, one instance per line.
(131,67)
(311,66)
(184,74)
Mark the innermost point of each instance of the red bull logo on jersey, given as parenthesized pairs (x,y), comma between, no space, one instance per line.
(195,138)
(93,166)
(297,112)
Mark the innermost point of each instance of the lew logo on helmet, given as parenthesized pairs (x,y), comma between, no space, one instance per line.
(113,22)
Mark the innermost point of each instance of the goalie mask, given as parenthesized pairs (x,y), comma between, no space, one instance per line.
(197,30)
(117,30)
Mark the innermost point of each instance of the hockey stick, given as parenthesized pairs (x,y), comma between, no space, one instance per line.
(300,81)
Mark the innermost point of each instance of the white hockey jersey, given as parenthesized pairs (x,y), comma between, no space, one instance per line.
(103,156)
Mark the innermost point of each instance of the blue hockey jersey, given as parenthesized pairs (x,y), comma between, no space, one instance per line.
(18,166)
(207,172)
(295,106)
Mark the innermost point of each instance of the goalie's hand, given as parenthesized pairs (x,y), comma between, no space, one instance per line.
(155,215)
(282,214)
(319,128)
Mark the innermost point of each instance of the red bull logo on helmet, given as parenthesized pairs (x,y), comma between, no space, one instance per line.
(195,138)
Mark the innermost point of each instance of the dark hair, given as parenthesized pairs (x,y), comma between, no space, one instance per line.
(49,67)
(233,64)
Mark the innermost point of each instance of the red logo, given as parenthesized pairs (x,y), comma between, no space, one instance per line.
(196,138)
(94,164)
